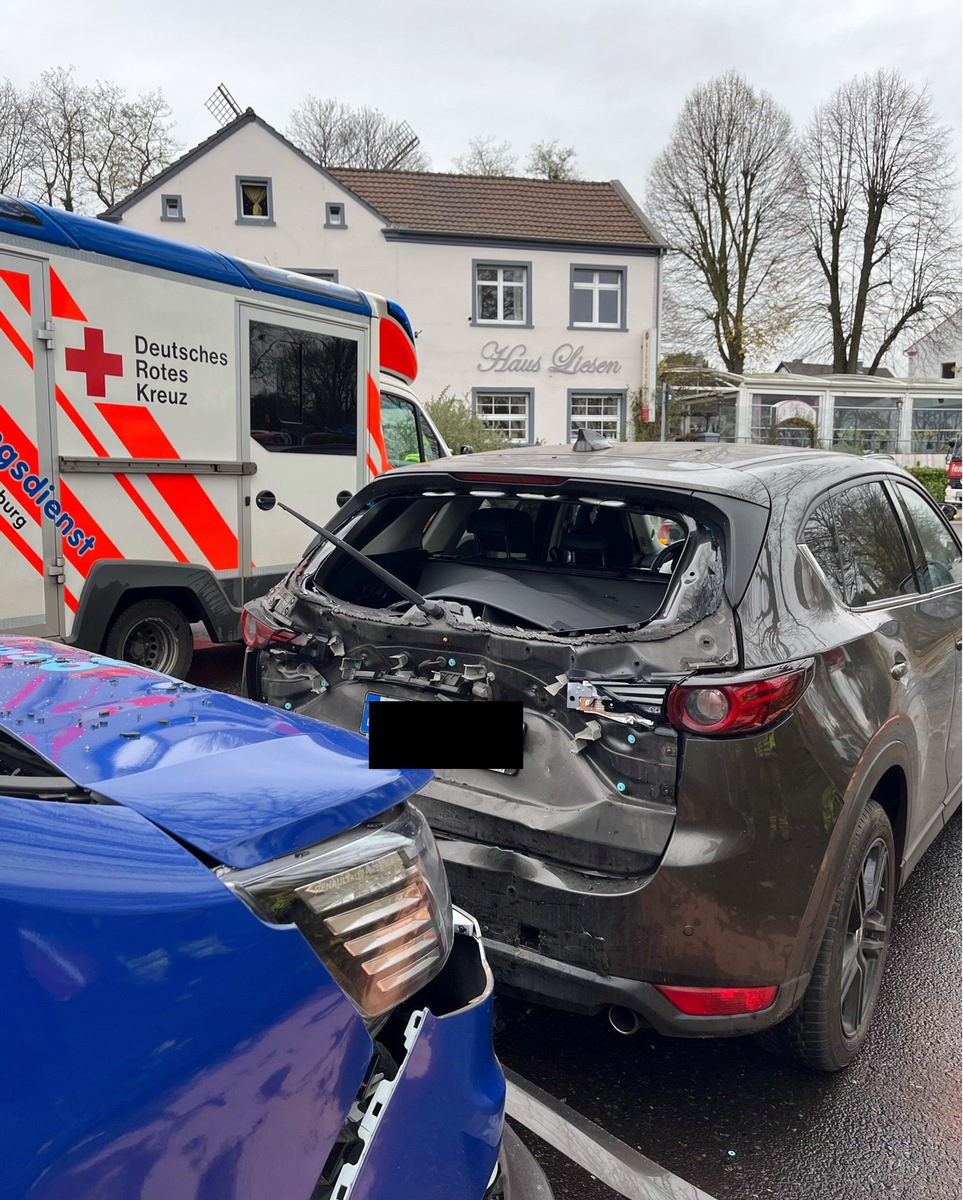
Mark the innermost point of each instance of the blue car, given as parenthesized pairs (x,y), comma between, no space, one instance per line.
(231,968)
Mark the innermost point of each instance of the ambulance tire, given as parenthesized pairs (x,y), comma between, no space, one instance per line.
(153,634)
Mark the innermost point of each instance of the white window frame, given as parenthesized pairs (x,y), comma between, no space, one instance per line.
(609,425)
(504,421)
(501,285)
(596,287)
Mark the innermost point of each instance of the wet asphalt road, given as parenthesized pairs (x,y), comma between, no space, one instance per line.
(741,1125)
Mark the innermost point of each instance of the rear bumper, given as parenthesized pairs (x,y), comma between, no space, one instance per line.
(524,975)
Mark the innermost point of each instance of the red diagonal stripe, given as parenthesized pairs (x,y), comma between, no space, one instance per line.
(19,284)
(103,546)
(18,343)
(62,304)
(375,431)
(101,451)
(143,437)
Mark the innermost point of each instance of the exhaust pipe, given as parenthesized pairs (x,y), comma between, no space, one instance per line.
(623,1020)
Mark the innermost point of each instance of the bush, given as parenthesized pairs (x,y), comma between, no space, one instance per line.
(933,479)
(459,426)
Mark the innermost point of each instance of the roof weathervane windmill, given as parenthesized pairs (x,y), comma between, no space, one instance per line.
(222,105)
(401,142)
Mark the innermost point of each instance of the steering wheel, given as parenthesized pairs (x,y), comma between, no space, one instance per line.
(668,554)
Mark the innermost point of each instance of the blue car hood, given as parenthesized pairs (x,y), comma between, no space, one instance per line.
(238,781)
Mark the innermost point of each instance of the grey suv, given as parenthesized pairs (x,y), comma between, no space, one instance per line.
(740,673)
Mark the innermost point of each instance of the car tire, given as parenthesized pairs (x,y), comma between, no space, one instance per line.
(828,1029)
(153,634)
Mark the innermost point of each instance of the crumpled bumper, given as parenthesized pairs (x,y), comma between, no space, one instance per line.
(435,1130)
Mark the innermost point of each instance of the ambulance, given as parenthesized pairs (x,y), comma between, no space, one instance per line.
(149,389)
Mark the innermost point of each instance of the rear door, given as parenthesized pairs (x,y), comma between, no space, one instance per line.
(303,390)
(31,580)
(937,562)
(912,630)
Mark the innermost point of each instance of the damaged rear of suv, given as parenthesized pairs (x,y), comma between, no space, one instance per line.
(668,848)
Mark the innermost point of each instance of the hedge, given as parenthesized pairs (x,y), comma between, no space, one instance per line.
(933,479)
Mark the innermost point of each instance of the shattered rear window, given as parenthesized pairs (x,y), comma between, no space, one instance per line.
(560,560)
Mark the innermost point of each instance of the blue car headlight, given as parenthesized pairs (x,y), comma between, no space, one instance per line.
(373,903)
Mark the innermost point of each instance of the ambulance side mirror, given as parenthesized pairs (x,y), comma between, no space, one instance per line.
(265,501)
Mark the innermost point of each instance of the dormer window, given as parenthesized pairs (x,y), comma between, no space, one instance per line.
(334,216)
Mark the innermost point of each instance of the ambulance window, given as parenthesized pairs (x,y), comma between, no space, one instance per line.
(304,391)
(400,428)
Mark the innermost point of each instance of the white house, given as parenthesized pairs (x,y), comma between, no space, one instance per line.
(537,300)
(936,355)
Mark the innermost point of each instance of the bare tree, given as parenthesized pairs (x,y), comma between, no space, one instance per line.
(549,160)
(58,112)
(876,180)
(486,157)
(719,193)
(336,135)
(16,151)
(124,142)
(74,146)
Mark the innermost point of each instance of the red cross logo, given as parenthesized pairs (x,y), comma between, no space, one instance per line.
(94,363)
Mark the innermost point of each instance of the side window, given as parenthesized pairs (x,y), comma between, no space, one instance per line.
(432,447)
(869,532)
(400,428)
(820,536)
(304,390)
(937,553)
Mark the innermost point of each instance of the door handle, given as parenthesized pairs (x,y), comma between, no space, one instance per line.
(899,668)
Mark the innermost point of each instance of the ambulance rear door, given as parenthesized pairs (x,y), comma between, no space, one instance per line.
(31,566)
(304,388)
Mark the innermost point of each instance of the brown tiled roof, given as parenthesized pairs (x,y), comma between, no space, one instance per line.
(490,206)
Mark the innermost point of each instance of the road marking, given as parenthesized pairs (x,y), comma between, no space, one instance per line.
(617,1165)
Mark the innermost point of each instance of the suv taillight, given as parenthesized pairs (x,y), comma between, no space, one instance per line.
(257,632)
(743,706)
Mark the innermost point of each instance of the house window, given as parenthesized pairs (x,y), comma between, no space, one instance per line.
(334,216)
(948,370)
(598,413)
(507,413)
(171,208)
(598,297)
(254,201)
(502,293)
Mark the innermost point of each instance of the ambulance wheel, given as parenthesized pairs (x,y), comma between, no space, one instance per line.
(153,634)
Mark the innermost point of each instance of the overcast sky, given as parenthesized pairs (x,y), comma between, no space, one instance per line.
(607,78)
